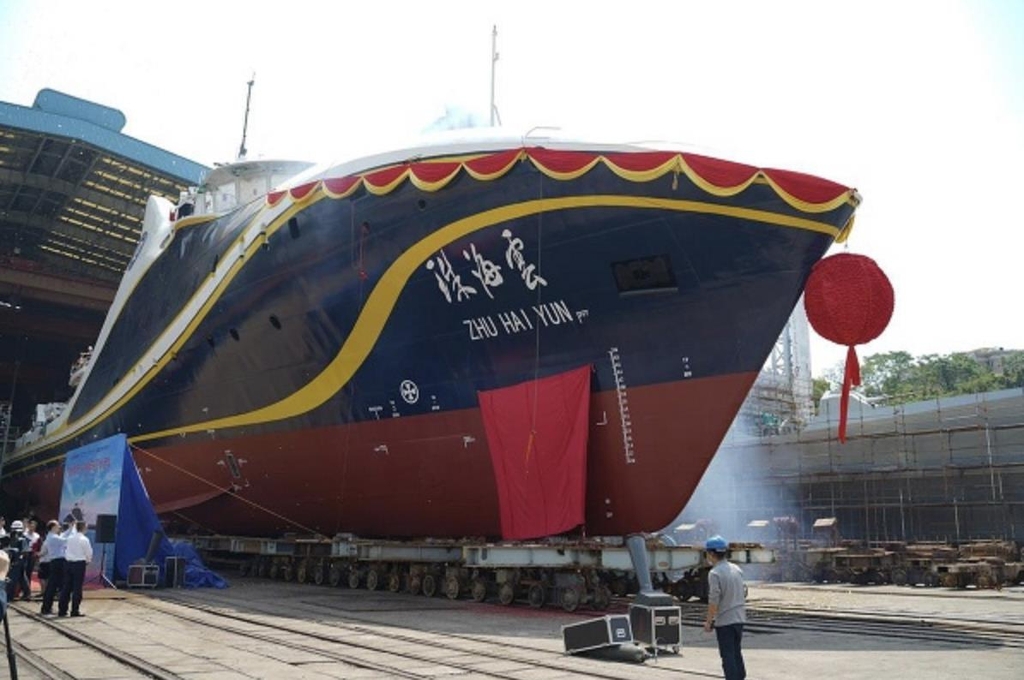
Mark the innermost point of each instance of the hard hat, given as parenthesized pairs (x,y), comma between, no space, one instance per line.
(716,543)
(16,525)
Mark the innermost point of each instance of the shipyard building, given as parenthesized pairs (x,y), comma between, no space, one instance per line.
(73,191)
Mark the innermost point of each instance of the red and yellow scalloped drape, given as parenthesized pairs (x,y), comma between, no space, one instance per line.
(805,193)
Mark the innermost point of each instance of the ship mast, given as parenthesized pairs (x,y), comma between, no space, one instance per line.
(245,125)
(494,64)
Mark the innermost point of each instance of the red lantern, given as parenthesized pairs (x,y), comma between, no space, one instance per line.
(849,301)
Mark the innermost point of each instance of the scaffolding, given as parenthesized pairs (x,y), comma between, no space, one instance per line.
(949,469)
(780,401)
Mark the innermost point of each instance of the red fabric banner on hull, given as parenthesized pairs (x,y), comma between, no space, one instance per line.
(537,435)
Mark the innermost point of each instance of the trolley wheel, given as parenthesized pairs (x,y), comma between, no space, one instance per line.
(984,581)
(273,570)
(506,593)
(931,579)
(319,573)
(570,599)
(683,590)
(334,575)
(414,584)
(394,582)
(478,590)
(372,579)
(353,578)
(601,598)
(429,585)
(899,577)
(536,596)
(302,572)
(288,571)
(452,587)
(243,568)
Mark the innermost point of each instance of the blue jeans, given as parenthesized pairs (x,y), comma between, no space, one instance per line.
(729,639)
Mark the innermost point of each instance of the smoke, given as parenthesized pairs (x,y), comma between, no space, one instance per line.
(738,488)
(456,118)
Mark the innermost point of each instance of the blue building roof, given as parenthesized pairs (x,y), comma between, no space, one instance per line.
(73,188)
(61,115)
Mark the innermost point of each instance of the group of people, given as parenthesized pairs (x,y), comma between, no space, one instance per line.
(61,555)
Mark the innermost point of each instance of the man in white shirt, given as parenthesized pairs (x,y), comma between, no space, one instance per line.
(77,554)
(51,561)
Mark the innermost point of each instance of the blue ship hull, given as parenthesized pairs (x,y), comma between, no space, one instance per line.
(365,316)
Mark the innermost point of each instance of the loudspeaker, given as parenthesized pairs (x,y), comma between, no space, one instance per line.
(607,631)
(106,528)
(174,572)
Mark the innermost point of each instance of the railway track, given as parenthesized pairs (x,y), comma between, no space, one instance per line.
(298,623)
(388,650)
(41,665)
(474,653)
(774,618)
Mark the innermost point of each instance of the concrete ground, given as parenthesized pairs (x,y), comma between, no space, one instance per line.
(955,635)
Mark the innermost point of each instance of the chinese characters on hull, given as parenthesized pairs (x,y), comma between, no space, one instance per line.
(489,276)
(486,272)
(515,259)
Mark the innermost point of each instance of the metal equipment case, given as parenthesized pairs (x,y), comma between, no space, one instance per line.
(607,631)
(660,627)
(143,575)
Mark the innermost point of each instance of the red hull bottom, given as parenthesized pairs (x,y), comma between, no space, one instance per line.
(427,475)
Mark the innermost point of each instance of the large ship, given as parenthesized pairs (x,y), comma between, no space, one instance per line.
(483,336)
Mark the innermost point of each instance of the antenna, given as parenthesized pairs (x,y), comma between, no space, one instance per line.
(494,64)
(245,125)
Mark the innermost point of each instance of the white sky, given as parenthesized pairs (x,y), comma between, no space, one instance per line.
(920,105)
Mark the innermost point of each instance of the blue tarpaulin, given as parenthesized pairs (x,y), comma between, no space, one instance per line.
(196,573)
(137,528)
(137,522)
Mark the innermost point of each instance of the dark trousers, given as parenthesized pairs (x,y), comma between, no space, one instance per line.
(54,584)
(74,579)
(729,639)
(29,561)
(14,578)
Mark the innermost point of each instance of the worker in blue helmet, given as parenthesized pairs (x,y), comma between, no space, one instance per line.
(727,596)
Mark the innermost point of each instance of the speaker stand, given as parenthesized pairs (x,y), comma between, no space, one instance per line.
(103,580)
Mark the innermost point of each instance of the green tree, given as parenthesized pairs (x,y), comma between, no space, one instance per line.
(900,377)
(820,387)
(1013,370)
(886,374)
